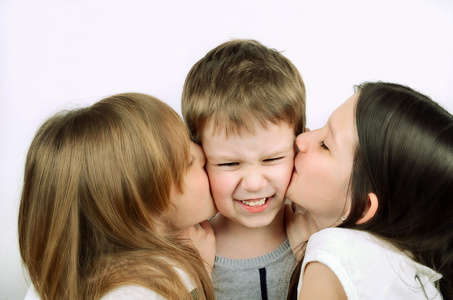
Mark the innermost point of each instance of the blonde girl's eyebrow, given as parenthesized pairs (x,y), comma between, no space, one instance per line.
(192,159)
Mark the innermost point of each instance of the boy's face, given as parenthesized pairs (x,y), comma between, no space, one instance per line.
(249,174)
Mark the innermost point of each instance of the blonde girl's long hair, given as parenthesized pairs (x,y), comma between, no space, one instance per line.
(97,184)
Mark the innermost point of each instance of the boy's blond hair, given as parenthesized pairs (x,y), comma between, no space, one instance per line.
(239,83)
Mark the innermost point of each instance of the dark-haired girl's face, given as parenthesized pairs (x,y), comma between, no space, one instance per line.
(323,165)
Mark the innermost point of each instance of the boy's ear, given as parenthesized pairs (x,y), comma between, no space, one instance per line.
(370,210)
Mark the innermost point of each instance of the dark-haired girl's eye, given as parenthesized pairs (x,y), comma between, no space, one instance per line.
(323,145)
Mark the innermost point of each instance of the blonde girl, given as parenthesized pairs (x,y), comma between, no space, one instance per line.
(112,199)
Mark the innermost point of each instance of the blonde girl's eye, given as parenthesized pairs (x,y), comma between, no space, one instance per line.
(323,145)
(192,161)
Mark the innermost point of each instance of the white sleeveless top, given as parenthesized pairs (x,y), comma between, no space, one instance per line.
(126,292)
(138,292)
(370,268)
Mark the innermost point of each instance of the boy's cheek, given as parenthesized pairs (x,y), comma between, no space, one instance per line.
(219,203)
(288,167)
(222,192)
(211,175)
(285,174)
(219,182)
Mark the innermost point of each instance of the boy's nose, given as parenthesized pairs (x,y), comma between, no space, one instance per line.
(253,181)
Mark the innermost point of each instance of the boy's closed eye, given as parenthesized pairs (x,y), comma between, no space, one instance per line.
(230,164)
(274,159)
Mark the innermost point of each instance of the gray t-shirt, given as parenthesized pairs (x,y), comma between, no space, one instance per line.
(260,278)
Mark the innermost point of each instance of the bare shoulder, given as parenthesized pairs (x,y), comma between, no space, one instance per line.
(320,282)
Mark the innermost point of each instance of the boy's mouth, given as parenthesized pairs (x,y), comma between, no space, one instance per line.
(254,203)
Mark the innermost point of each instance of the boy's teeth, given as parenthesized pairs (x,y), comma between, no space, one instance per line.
(255,202)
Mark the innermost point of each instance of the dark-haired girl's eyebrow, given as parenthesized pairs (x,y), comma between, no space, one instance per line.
(332,132)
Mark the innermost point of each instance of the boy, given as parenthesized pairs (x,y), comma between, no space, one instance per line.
(244,104)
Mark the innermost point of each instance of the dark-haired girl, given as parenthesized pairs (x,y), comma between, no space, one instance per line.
(381,172)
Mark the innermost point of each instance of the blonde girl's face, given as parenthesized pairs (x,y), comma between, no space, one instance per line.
(323,165)
(195,203)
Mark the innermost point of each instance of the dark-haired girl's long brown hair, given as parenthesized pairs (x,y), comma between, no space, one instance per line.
(405,157)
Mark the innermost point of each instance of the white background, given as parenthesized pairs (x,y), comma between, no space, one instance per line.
(63,54)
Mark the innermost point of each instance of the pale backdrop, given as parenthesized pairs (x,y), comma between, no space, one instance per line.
(63,54)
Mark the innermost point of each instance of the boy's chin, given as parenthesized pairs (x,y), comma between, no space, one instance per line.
(259,222)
